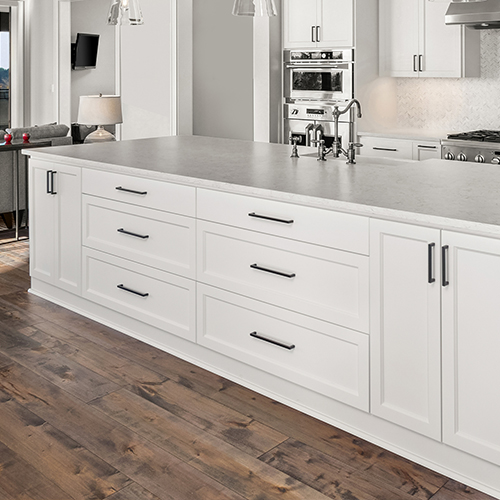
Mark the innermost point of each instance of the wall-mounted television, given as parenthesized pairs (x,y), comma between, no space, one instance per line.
(84,51)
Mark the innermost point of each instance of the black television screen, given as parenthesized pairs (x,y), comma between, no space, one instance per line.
(84,54)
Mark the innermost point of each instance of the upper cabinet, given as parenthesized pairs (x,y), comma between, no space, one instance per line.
(415,42)
(318,23)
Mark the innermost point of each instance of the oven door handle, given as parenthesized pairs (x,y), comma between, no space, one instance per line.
(319,65)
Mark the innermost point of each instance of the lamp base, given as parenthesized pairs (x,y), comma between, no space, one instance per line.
(99,135)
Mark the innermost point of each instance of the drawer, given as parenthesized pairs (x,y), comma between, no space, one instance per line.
(160,299)
(324,358)
(318,281)
(149,193)
(158,239)
(386,147)
(313,225)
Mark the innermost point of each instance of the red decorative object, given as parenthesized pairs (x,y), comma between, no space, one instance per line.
(26,137)
(8,138)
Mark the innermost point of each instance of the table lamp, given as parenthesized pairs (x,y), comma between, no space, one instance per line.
(100,110)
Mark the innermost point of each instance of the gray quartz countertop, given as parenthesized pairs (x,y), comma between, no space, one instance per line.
(454,195)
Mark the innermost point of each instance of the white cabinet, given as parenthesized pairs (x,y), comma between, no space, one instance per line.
(405,149)
(471,345)
(405,326)
(317,23)
(415,42)
(55,225)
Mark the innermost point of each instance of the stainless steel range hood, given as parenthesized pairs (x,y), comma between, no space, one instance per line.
(477,14)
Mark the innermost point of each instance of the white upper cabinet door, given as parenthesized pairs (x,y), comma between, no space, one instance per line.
(335,20)
(440,45)
(405,326)
(399,24)
(415,42)
(471,345)
(300,24)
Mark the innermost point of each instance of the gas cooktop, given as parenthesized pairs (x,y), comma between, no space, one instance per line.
(478,136)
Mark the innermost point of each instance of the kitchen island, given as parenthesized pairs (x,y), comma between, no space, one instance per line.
(363,295)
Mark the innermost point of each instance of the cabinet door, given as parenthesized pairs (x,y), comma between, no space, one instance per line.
(440,45)
(399,25)
(471,345)
(299,24)
(68,217)
(405,326)
(335,20)
(55,231)
(42,230)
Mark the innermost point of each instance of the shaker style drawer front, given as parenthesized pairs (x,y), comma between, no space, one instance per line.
(314,225)
(386,147)
(149,193)
(317,281)
(320,356)
(158,239)
(160,299)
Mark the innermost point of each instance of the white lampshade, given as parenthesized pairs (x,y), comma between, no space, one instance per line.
(254,8)
(100,110)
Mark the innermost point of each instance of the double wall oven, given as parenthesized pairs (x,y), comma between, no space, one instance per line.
(315,81)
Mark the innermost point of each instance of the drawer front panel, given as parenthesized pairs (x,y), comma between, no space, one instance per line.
(317,281)
(320,356)
(386,147)
(160,299)
(149,193)
(158,239)
(314,225)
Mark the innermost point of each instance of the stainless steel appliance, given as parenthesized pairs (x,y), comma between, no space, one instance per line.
(318,75)
(311,122)
(482,146)
(483,14)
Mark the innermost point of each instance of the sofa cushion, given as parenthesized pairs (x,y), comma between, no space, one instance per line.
(41,132)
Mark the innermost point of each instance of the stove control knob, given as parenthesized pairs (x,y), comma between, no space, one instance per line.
(495,160)
(449,156)
(461,157)
(295,111)
(479,158)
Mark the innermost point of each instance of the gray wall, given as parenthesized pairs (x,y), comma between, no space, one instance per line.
(222,71)
(90,16)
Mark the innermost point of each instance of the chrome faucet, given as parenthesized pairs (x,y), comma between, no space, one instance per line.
(350,154)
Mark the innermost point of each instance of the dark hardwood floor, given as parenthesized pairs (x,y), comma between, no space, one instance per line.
(89,413)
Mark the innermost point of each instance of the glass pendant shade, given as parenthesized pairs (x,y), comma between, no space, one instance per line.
(254,8)
(127,11)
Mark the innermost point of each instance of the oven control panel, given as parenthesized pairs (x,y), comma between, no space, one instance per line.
(312,112)
(467,151)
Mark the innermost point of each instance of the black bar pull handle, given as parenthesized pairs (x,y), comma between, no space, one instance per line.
(312,34)
(426,146)
(52,182)
(142,236)
(444,263)
(415,68)
(318,33)
(430,263)
(376,148)
(121,287)
(421,62)
(272,271)
(267,217)
(279,343)
(49,177)
(119,188)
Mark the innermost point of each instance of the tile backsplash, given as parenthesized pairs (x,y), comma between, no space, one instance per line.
(454,104)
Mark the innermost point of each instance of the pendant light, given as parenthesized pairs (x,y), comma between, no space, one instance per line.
(127,10)
(254,8)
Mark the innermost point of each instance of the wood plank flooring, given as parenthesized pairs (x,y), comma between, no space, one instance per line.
(89,413)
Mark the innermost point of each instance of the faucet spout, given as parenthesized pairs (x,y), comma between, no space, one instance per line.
(337,147)
(349,105)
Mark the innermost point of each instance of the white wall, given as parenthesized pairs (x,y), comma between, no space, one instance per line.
(90,16)
(222,71)
(146,69)
(41,47)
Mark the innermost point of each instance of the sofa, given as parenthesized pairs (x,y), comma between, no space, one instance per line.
(58,136)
